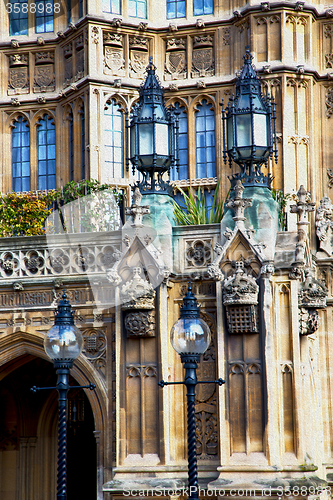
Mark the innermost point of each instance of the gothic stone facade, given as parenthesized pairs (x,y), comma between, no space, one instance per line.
(266,294)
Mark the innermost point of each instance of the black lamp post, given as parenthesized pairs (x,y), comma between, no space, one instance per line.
(190,337)
(152,136)
(63,344)
(249,127)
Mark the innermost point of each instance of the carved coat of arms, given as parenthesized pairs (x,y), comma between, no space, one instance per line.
(139,61)
(18,78)
(44,75)
(175,63)
(114,59)
(202,61)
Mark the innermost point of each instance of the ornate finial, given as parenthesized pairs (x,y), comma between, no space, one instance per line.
(303,206)
(238,205)
(190,307)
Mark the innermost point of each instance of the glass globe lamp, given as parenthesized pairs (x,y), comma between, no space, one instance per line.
(64,341)
(190,334)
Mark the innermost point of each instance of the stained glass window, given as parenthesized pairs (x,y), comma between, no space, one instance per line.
(46,154)
(20,155)
(205,140)
(113,140)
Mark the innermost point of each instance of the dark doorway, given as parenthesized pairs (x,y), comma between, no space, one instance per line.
(28,434)
(81,451)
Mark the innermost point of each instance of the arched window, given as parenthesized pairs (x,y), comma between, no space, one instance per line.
(83,142)
(46,154)
(183,146)
(44,16)
(176,8)
(137,8)
(71,147)
(113,143)
(18,17)
(20,155)
(205,140)
(202,7)
(112,6)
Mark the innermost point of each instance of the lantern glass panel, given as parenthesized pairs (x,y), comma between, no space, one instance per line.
(146,139)
(132,142)
(260,129)
(162,139)
(243,130)
(230,133)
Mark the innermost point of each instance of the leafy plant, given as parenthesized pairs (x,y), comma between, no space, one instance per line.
(281,199)
(26,213)
(23,213)
(194,210)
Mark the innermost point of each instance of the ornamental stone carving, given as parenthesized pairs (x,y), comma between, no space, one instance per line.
(324,225)
(309,321)
(137,293)
(240,288)
(140,324)
(203,56)
(198,253)
(18,74)
(175,59)
(313,293)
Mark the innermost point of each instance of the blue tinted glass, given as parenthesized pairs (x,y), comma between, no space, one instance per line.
(113,140)
(205,140)
(181,8)
(42,182)
(208,7)
(51,151)
(44,16)
(46,153)
(18,18)
(26,184)
(182,146)
(176,8)
(20,155)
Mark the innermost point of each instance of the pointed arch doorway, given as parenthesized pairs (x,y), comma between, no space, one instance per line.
(28,435)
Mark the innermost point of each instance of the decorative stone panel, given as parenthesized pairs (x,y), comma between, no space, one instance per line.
(240,297)
(44,78)
(114,62)
(94,348)
(79,57)
(139,55)
(68,61)
(203,56)
(198,253)
(140,324)
(18,74)
(175,59)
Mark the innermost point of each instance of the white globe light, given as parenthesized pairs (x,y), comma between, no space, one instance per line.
(190,336)
(63,342)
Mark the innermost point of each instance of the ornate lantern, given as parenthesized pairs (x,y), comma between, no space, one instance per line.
(153,136)
(249,127)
